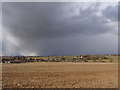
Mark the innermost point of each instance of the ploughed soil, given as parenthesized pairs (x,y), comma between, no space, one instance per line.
(60,75)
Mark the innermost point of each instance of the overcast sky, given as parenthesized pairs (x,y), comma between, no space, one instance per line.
(59,28)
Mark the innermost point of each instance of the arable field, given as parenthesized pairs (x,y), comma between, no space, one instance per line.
(60,75)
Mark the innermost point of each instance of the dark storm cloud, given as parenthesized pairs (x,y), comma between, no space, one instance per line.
(44,25)
(46,20)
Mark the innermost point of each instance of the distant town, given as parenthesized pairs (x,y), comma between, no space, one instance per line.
(79,58)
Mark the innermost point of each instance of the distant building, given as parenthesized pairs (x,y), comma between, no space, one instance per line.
(81,57)
(7,61)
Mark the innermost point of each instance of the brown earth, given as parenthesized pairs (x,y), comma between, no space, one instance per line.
(60,75)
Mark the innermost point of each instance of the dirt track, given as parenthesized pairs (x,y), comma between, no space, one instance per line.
(60,75)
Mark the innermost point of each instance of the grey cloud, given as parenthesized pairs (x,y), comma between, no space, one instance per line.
(39,26)
(111,12)
(44,19)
